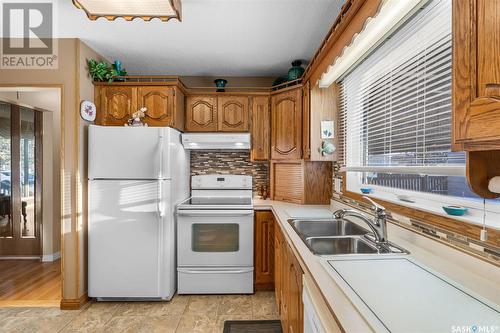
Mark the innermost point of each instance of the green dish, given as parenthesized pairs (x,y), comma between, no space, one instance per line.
(455,210)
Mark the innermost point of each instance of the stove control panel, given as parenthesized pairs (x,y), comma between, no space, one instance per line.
(221,182)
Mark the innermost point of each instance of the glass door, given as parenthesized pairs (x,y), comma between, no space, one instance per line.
(6,228)
(20,180)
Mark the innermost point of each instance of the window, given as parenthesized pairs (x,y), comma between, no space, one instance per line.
(396,119)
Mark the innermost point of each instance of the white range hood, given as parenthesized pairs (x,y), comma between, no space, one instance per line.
(224,141)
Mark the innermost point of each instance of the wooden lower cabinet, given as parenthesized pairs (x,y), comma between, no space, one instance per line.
(264,251)
(288,285)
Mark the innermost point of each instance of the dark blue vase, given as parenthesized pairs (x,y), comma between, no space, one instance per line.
(296,71)
(280,80)
(220,84)
(118,67)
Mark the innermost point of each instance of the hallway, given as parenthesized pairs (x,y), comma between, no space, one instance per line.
(30,283)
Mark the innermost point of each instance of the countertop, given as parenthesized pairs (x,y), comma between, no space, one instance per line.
(472,274)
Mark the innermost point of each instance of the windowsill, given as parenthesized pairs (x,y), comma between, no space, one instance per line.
(431,203)
(473,215)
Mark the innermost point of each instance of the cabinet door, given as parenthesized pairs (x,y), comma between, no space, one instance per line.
(285,288)
(286,125)
(476,74)
(160,104)
(278,262)
(264,250)
(295,308)
(233,113)
(261,129)
(116,105)
(201,114)
(306,121)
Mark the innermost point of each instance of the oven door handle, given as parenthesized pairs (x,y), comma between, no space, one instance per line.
(215,271)
(215,213)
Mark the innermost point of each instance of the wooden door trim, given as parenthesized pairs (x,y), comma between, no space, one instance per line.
(39,176)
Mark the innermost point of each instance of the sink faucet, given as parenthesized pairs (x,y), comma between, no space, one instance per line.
(378,225)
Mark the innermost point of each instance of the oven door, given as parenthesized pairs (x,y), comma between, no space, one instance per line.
(215,238)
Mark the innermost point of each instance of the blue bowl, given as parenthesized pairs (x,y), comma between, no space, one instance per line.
(455,210)
(366,190)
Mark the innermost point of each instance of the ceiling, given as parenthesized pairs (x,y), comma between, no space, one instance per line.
(215,37)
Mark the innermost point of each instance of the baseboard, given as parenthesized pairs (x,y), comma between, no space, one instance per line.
(19,257)
(263,286)
(74,304)
(28,304)
(51,257)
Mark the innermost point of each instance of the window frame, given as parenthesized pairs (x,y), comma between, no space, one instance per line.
(472,222)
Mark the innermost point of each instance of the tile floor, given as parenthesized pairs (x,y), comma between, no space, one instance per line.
(192,314)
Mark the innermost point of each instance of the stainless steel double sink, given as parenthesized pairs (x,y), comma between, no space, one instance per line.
(339,237)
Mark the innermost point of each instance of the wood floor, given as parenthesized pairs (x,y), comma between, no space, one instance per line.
(30,283)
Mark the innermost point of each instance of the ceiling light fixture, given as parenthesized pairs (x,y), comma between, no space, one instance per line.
(131,9)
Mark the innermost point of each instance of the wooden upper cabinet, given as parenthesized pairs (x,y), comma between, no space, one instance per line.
(201,114)
(261,128)
(205,113)
(476,74)
(116,104)
(233,113)
(160,104)
(286,125)
(306,121)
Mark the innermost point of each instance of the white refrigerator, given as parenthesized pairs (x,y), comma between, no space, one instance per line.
(137,175)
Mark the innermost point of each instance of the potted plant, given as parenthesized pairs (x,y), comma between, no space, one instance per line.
(103,71)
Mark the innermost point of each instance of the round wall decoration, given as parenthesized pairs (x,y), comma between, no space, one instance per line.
(87,111)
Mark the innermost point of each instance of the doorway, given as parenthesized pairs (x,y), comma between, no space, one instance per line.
(30,265)
(20,181)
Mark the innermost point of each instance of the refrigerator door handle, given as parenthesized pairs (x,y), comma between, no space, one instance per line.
(159,200)
(160,152)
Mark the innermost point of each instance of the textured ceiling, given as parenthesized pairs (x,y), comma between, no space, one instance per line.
(215,37)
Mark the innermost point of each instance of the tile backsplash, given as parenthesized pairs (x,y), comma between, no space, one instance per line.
(229,162)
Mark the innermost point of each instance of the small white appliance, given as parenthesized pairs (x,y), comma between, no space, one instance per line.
(136,177)
(215,236)
(226,141)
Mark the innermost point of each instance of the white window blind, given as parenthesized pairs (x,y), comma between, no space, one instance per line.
(396,104)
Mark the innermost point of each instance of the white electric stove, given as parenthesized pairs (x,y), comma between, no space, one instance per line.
(215,236)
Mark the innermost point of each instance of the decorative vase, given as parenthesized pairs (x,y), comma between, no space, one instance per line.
(220,84)
(296,71)
(280,80)
(118,67)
